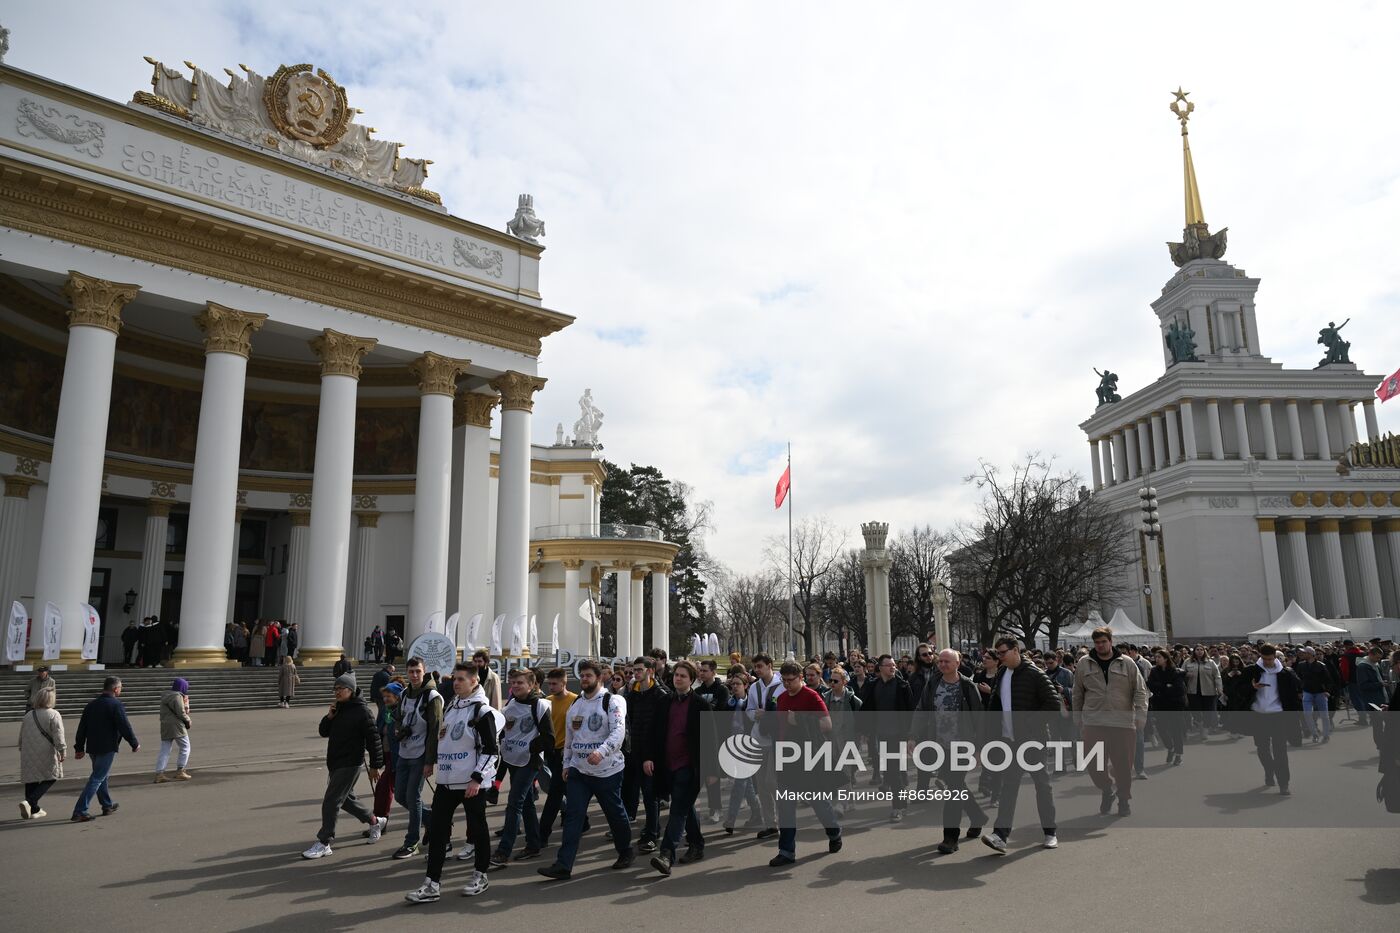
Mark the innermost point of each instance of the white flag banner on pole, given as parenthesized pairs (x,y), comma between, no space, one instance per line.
(517,635)
(554,636)
(496,635)
(435,622)
(53,631)
(585,610)
(714,643)
(16,633)
(92,631)
(473,632)
(452,622)
(694,645)
(534,638)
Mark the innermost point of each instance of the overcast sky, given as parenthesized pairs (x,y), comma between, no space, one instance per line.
(897,235)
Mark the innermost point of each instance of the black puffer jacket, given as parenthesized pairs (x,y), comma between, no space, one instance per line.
(350,733)
(643,707)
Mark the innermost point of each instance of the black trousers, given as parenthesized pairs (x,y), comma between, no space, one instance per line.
(34,790)
(1271,744)
(953,809)
(446,800)
(554,796)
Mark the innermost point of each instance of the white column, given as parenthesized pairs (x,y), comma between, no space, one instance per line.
(661,607)
(214,492)
(1159,442)
(1094,464)
(639,635)
(1392,538)
(513,494)
(1297,530)
(1324,446)
(473,418)
(573,630)
(432,491)
(1371,604)
(1273,574)
(1188,429)
(1347,417)
(364,595)
(622,583)
(1120,457)
(1295,431)
(1106,454)
(1173,438)
(148,591)
(1266,417)
(12,546)
(1332,560)
(1144,446)
(298,554)
(328,558)
(68,537)
(233,562)
(1217,440)
(1130,444)
(1241,430)
(1373,429)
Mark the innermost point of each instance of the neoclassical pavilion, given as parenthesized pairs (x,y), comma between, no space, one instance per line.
(251,370)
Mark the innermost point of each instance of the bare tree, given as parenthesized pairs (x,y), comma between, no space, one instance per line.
(817,545)
(841,595)
(918,566)
(751,608)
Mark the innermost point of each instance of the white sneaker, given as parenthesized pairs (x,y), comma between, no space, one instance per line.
(466,852)
(317,850)
(428,892)
(478,883)
(1051,842)
(377,827)
(995,843)
(37,814)
(714,819)
(24,811)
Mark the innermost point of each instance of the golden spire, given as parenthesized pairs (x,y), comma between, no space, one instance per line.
(1194,213)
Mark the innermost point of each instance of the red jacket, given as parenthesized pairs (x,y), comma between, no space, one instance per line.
(274,635)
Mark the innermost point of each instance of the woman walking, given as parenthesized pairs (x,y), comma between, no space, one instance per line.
(42,748)
(174,731)
(287,682)
(1167,685)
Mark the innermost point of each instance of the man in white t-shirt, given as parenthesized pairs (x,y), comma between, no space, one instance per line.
(763,702)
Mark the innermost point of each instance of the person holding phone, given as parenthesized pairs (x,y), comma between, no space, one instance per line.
(1278,701)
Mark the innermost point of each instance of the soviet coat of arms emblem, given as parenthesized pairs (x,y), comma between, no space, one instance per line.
(307,105)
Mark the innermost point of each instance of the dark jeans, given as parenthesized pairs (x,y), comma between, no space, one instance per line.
(554,797)
(340,795)
(893,778)
(446,800)
(520,803)
(579,789)
(956,782)
(1171,727)
(97,783)
(1202,711)
(34,790)
(1271,744)
(714,797)
(787,823)
(408,790)
(636,785)
(1011,789)
(685,789)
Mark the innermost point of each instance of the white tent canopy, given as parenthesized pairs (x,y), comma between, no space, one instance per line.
(1125,629)
(1295,621)
(1083,632)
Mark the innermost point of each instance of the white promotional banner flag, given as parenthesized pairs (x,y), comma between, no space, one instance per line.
(53,631)
(534,638)
(713,646)
(92,631)
(435,622)
(496,633)
(554,636)
(473,632)
(585,610)
(16,633)
(452,622)
(694,644)
(517,635)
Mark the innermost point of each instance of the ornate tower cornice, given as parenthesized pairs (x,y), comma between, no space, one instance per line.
(227,330)
(97,302)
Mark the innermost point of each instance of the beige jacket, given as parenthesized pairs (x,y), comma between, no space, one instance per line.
(1118,701)
(174,716)
(38,759)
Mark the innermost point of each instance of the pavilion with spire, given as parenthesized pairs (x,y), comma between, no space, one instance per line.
(1262,475)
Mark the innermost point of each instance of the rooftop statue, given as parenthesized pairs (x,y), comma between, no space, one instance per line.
(1108,387)
(1197,242)
(525,224)
(1181,343)
(1338,350)
(590,420)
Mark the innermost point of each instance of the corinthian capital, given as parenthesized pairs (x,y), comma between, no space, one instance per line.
(227,330)
(474,408)
(340,353)
(97,302)
(437,374)
(517,390)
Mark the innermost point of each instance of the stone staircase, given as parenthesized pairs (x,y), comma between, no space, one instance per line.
(142,688)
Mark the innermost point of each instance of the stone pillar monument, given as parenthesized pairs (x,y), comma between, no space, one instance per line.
(876,561)
(942,635)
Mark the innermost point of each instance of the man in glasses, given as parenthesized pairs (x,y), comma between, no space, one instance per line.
(1110,705)
(349,730)
(1022,688)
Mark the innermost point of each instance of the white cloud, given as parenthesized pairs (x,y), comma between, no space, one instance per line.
(897,235)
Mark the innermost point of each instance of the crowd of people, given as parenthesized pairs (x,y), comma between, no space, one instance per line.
(150,643)
(262,643)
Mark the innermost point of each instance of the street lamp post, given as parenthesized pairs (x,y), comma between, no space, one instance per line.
(1154,554)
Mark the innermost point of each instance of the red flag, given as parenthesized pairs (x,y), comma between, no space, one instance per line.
(1390,388)
(784,482)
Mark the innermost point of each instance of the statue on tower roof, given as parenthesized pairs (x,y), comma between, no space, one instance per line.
(1181,343)
(1108,387)
(1338,350)
(1197,242)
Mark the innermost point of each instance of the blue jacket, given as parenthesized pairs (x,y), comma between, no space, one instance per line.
(103,727)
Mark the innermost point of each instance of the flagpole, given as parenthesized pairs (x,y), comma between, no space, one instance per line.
(790,563)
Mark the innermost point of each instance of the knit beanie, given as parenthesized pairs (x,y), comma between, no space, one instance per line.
(347,680)
(181,685)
